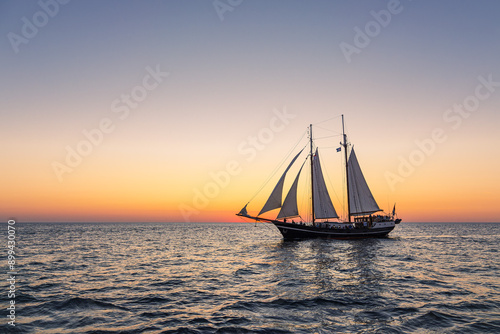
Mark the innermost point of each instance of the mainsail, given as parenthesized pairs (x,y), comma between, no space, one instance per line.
(323,207)
(274,201)
(289,208)
(361,199)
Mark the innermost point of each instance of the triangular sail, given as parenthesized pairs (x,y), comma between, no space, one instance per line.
(361,200)
(274,201)
(289,208)
(323,206)
(243,211)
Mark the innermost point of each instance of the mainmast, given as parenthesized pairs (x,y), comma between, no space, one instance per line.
(312,179)
(346,170)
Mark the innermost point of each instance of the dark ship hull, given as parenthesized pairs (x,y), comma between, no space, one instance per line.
(357,230)
(298,231)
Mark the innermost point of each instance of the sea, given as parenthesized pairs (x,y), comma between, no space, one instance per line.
(244,278)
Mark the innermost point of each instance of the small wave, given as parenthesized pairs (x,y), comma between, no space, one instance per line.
(473,306)
(35,263)
(198,321)
(433,320)
(78,303)
(152,300)
(45,286)
(484,327)
(243,272)
(372,316)
(153,315)
(238,330)
(6,328)
(235,321)
(284,303)
(168,283)
(397,311)
(186,330)
(26,298)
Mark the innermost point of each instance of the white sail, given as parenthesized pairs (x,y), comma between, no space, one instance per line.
(274,201)
(323,206)
(361,200)
(289,208)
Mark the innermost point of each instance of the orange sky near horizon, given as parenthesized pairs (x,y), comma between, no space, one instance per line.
(96,194)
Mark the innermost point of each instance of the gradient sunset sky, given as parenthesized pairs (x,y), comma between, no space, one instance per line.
(172,92)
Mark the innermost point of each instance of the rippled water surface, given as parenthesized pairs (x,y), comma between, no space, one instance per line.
(241,278)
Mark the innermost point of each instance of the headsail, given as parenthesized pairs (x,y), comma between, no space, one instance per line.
(361,198)
(323,206)
(243,211)
(289,208)
(274,201)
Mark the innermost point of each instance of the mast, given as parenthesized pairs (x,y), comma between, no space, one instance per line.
(346,171)
(312,180)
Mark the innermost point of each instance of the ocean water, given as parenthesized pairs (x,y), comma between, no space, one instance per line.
(243,278)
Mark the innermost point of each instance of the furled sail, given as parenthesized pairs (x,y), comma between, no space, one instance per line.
(289,208)
(274,201)
(323,206)
(361,200)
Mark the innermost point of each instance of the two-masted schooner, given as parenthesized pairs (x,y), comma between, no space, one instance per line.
(363,213)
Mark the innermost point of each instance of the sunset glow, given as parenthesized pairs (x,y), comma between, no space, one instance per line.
(177,112)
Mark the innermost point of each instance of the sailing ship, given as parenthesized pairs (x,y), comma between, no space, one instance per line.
(364,219)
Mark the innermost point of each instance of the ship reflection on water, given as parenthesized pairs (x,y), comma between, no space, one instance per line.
(350,266)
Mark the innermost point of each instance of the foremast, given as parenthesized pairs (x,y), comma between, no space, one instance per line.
(312,172)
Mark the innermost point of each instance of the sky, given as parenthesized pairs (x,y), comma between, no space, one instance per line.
(179,111)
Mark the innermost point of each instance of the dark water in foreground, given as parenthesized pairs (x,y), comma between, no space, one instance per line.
(237,278)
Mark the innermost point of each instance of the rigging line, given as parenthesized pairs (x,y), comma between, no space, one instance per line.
(267,225)
(329,119)
(316,138)
(278,167)
(329,130)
